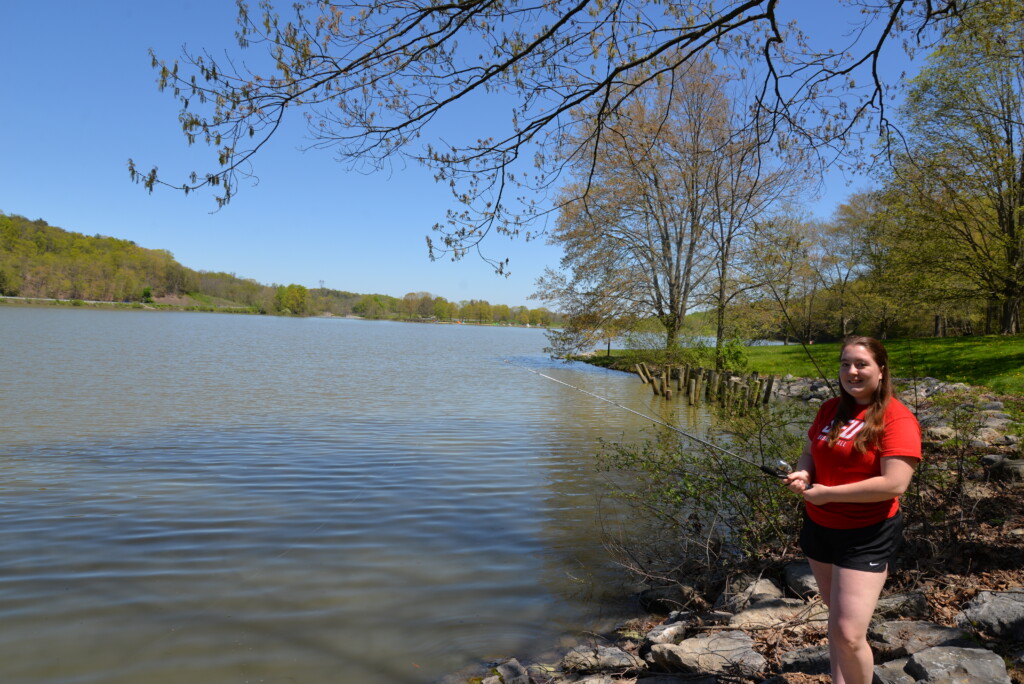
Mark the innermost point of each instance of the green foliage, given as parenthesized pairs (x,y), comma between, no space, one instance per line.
(697,512)
(41,261)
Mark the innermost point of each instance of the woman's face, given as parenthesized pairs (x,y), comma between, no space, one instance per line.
(859,374)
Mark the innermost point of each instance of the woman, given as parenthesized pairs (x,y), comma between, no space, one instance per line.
(862,450)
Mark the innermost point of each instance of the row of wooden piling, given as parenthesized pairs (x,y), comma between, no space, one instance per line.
(698,385)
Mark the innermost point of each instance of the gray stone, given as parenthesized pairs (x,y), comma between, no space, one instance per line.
(893,672)
(668,633)
(664,600)
(585,658)
(992,460)
(512,672)
(900,638)
(812,660)
(910,605)
(997,613)
(800,579)
(1008,469)
(988,435)
(717,653)
(747,591)
(992,406)
(945,665)
(772,612)
(940,433)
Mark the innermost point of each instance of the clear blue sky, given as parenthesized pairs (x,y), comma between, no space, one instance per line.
(79,100)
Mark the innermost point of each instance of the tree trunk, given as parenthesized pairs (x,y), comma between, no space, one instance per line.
(1010,319)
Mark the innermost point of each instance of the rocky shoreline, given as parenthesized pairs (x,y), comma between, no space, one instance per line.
(771,628)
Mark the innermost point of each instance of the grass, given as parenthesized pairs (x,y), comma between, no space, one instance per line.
(993,361)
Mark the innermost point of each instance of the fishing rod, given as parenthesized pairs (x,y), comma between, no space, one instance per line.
(781,470)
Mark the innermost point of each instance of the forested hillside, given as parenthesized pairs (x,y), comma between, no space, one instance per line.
(38,260)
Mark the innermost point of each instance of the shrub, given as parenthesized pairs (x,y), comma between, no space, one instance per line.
(693,511)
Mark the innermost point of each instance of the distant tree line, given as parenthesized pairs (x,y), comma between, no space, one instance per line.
(40,260)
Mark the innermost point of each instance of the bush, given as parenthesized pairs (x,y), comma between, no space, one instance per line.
(696,512)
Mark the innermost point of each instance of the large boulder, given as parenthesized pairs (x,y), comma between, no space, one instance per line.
(775,611)
(997,613)
(745,591)
(800,579)
(586,658)
(909,605)
(665,599)
(901,638)
(719,653)
(957,666)
(812,660)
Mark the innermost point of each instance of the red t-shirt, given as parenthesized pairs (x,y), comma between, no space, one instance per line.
(842,463)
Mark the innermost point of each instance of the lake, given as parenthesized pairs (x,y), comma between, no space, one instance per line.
(217,498)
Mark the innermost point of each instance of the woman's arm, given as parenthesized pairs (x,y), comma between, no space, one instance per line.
(803,476)
(897,472)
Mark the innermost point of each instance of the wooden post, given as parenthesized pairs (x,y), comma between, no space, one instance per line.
(768,386)
(640,372)
(692,394)
(666,380)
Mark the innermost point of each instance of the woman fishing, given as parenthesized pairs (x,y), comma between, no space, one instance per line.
(862,450)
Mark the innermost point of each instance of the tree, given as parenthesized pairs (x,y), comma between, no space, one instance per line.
(962,175)
(370,79)
(674,182)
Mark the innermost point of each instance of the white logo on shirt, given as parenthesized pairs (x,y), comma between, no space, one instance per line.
(848,432)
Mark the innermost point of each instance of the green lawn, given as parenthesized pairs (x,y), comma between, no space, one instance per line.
(994,361)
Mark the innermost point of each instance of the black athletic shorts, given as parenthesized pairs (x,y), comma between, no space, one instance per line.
(871,549)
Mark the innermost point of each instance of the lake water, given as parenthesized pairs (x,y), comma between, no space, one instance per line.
(216,498)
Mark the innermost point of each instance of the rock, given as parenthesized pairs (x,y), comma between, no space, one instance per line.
(992,460)
(600,659)
(900,638)
(1008,469)
(800,579)
(665,599)
(716,617)
(668,633)
(940,433)
(909,605)
(774,611)
(893,672)
(813,660)
(997,613)
(988,435)
(719,653)
(747,591)
(597,679)
(992,406)
(511,672)
(957,666)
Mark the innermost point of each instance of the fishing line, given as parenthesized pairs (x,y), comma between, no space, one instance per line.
(781,470)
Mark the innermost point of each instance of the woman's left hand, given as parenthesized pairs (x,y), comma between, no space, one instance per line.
(818,495)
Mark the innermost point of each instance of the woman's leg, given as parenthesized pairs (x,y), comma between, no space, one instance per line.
(854,594)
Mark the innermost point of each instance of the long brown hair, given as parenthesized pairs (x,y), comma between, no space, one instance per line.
(874,419)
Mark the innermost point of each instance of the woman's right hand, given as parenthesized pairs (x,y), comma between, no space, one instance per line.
(798,481)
